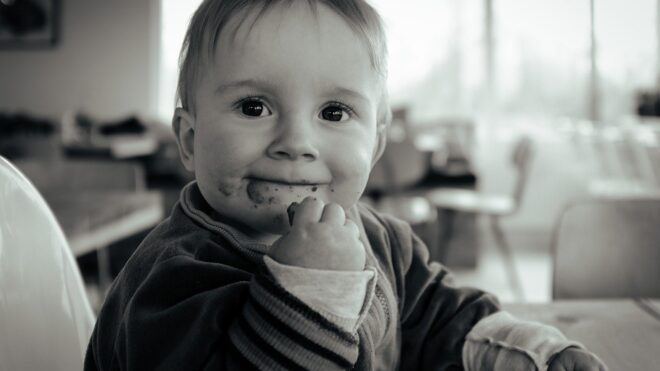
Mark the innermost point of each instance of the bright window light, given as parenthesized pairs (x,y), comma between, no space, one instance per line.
(437,55)
(174,18)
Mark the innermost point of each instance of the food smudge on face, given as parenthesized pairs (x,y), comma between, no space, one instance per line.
(255,194)
(227,189)
(278,219)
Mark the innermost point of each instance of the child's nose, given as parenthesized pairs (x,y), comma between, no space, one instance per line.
(295,140)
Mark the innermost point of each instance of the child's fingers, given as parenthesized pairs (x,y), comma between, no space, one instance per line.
(352,227)
(556,366)
(334,214)
(309,211)
(291,211)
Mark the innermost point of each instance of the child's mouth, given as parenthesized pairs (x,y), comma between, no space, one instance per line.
(270,191)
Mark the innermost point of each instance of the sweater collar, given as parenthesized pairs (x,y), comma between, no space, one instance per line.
(195,207)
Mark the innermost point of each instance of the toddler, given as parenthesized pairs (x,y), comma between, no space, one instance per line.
(268,261)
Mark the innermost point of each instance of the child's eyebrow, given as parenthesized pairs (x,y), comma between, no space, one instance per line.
(341,91)
(269,86)
(247,83)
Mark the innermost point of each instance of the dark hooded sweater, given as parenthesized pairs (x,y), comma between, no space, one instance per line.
(195,295)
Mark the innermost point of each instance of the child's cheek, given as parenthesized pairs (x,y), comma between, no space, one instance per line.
(351,180)
(229,187)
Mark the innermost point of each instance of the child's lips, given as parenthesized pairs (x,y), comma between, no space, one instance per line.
(285,182)
(276,191)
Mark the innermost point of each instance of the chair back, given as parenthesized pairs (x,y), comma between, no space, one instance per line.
(607,248)
(45,318)
(521,157)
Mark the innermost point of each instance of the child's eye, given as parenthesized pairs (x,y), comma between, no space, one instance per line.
(254,108)
(337,112)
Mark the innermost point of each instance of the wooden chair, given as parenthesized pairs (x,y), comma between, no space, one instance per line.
(494,206)
(450,200)
(604,248)
(45,319)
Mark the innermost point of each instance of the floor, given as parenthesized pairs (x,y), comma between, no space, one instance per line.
(531,256)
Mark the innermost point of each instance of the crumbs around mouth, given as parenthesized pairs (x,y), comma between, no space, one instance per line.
(254,194)
(258,192)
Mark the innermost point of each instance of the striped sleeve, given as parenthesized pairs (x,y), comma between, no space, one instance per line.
(277,331)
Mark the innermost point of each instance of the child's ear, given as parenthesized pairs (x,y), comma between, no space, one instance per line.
(381,141)
(183,124)
(384,121)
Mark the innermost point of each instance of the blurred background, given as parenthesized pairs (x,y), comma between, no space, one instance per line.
(507,115)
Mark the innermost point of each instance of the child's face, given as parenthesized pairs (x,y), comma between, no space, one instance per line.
(286,110)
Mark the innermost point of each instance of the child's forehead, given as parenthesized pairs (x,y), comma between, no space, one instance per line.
(296,35)
(269,18)
(272,17)
(217,25)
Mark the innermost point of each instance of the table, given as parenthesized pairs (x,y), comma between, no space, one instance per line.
(625,334)
(92,220)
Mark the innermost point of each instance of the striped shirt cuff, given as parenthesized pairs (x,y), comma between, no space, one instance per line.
(277,331)
(340,296)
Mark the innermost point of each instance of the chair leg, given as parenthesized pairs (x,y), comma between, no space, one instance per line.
(509,262)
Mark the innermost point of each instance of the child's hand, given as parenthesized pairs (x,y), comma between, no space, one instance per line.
(321,238)
(576,359)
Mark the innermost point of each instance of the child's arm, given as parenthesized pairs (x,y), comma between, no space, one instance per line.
(343,297)
(187,300)
(196,315)
(502,342)
(435,314)
(446,327)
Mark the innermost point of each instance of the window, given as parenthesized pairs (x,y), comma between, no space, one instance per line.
(541,55)
(174,18)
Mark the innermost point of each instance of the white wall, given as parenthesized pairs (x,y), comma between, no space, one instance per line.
(103,64)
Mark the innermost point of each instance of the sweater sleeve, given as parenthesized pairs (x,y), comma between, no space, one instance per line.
(435,314)
(195,315)
(343,297)
(502,342)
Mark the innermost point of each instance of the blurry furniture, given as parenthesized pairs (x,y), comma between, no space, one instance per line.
(93,220)
(416,160)
(129,137)
(450,141)
(96,202)
(400,167)
(607,248)
(450,201)
(45,318)
(625,334)
(628,161)
(22,135)
(65,175)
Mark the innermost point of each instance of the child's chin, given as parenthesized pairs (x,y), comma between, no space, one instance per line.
(274,219)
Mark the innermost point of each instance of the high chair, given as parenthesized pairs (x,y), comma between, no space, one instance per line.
(45,318)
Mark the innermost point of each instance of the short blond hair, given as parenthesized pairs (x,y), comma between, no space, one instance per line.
(212,17)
